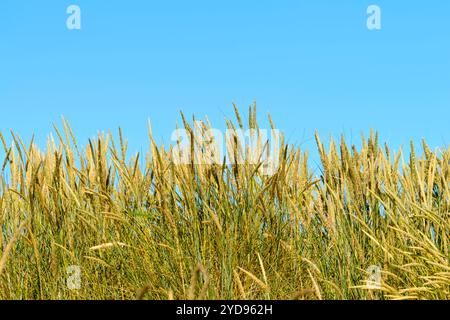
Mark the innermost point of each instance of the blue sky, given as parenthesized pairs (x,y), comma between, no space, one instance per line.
(311,64)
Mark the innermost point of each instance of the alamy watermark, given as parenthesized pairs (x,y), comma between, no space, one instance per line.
(208,146)
(373,281)
(73,21)
(373,22)
(73,277)
(374,17)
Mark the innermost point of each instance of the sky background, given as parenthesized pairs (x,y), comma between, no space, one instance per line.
(313,65)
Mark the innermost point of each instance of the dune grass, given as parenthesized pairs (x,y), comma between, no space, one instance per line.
(144,227)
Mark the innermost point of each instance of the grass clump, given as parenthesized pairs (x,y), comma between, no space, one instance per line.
(145,227)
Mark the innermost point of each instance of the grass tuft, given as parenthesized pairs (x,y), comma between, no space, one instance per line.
(144,227)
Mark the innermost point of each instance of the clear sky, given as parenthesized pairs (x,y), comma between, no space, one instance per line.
(311,64)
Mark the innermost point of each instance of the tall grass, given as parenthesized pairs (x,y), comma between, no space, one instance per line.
(144,227)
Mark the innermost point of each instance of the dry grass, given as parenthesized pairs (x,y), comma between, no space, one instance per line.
(150,229)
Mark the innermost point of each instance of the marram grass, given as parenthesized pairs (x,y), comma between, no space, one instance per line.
(142,227)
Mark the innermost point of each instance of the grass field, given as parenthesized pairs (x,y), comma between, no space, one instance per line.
(372,224)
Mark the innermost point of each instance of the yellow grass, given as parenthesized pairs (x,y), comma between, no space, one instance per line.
(144,227)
